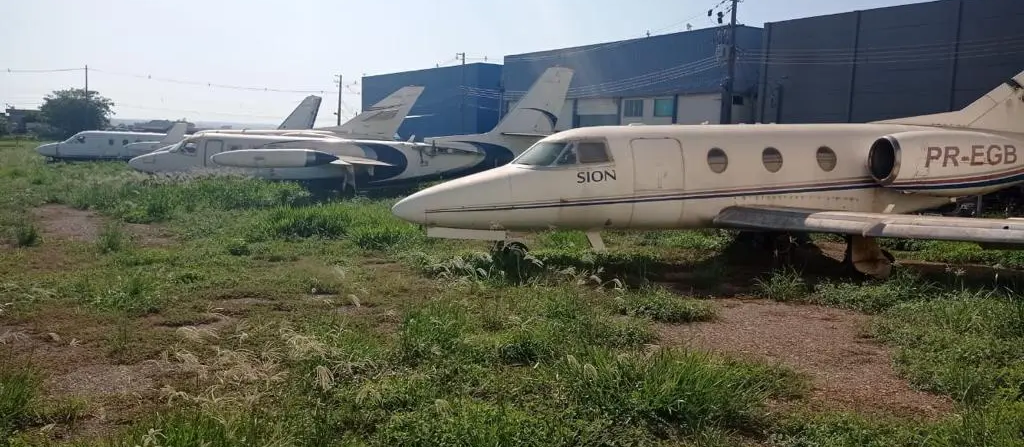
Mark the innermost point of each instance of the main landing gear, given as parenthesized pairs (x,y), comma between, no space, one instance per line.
(865,256)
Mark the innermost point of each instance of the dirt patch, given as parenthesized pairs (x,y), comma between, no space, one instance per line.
(848,371)
(106,380)
(67,223)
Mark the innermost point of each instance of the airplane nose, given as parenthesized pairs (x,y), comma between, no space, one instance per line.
(48,150)
(142,163)
(410,209)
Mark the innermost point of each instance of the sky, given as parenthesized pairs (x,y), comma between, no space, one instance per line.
(132,47)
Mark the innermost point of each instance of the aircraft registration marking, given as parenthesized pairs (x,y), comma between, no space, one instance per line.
(980,155)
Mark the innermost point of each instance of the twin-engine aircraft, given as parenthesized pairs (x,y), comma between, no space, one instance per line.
(860,180)
(342,162)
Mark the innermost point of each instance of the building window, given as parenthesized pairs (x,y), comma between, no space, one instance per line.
(826,158)
(717,160)
(663,107)
(633,108)
(772,159)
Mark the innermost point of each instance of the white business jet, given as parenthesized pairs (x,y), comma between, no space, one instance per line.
(117,145)
(370,163)
(853,179)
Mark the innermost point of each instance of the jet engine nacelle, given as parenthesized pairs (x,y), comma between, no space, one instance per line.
(946,163)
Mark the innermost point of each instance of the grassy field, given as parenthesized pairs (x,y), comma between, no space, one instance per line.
(144,311)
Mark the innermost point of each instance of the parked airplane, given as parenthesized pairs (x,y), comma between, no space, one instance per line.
(118,145)
(344,162)
(859,180)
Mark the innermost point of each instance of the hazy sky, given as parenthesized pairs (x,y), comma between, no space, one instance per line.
(302,44)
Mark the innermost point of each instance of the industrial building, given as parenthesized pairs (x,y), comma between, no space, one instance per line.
(665,79)
(456,100)
(885,63)
(857,66)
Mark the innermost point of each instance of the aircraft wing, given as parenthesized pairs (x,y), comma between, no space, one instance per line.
(288,158)
(969,229)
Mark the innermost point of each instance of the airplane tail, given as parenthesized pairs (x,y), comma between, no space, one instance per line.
(537,112)
(1001,109)
(175,134)
(382,120)
(304,116)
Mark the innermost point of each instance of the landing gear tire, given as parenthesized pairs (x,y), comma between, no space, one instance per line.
(509,247)
(865,257)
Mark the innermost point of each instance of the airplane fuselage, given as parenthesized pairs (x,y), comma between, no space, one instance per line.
(672,176)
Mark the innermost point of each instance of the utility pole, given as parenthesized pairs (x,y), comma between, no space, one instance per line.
(731,69)
(462,103)
(339,100)
(86,82)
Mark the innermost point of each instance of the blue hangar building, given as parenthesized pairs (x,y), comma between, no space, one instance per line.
(670,78)
(884,63)
(460,99)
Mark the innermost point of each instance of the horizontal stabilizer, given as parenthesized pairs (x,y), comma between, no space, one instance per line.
(526,134)
(991,231)
(287,158)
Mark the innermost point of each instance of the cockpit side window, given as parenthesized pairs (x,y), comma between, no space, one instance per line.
(568,156)
(80,138)
(592,152)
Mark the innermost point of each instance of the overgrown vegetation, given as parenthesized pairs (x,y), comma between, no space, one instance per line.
(275,318)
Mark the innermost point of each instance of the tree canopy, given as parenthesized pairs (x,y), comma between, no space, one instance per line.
(71,111)
(4,127)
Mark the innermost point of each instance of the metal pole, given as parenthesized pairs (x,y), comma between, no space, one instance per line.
(462,102)
(729,86)
(339,100)
(86,81)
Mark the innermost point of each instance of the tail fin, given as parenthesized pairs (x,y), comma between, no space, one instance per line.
(537,112)
(1001,109)
(304,116)
(382,120)
(175,134)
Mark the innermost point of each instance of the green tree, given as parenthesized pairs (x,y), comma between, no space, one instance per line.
(71,111)
(4,127)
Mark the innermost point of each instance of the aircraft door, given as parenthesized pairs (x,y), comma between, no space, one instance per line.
(657,176)
(211,148)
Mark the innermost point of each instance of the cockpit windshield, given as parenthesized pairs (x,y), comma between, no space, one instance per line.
(564,153)
(541,154)
(76,138)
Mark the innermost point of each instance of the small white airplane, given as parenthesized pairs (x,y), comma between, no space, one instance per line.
(334,162)
(117,145)
(859,180)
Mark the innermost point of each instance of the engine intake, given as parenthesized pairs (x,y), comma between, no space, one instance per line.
(945,163)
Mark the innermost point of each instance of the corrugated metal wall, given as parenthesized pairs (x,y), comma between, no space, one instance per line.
(460,99)
(888,62)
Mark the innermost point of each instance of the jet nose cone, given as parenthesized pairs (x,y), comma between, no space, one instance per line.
(142,163)
(410,209)
(48,150)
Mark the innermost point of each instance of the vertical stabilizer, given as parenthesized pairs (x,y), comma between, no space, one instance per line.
(304,116)
(1001,109)
(538,110)
(176,134)
(382,120)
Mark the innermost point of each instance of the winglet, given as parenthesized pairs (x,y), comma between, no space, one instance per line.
(1001,109)
(304,116)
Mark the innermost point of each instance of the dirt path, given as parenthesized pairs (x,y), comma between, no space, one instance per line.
(848,370)
(64,222)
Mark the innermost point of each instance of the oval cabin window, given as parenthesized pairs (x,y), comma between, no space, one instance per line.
(772,159)
(717,160)
(826,158)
